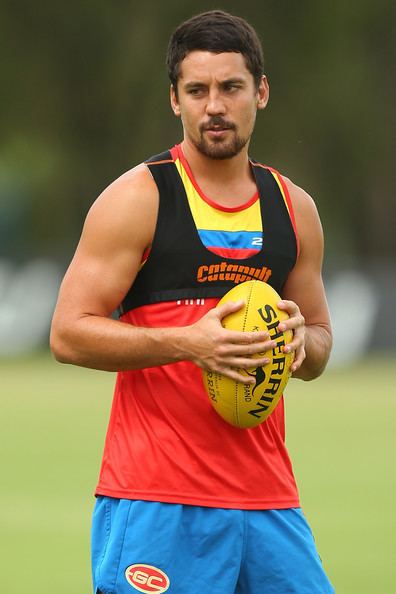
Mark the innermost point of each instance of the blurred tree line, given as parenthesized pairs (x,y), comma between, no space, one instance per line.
(85,96)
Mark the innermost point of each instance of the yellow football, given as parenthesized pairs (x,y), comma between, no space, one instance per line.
(247,405)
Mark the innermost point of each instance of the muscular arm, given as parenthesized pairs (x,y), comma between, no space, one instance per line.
(118,229)
(304,287)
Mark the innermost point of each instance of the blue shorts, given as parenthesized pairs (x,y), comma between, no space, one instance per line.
(143,546)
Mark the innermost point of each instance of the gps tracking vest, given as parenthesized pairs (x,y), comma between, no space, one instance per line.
(180,266)
(165,442)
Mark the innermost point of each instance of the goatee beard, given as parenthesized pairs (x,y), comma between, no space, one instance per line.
(221,150)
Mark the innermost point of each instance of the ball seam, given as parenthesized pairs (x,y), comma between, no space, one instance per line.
(243,329)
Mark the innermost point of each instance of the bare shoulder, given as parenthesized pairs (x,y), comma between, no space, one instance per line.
(117,230)
(308,223)
(131,198)
(136,182)
(127,209)
(302,202)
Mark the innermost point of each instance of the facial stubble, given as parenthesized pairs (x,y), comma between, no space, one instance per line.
(219,148)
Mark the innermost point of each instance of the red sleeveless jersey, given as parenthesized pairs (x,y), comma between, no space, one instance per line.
(165,442)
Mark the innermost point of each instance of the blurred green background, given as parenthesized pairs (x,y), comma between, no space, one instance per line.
(84,97)
(340,436)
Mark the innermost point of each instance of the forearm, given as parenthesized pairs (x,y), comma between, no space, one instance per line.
(110,345)
(102,343)
(318,343)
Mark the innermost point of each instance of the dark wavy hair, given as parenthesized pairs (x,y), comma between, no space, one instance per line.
(215,31)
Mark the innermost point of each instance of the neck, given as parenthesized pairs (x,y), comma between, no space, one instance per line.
(228,182)
(223,170)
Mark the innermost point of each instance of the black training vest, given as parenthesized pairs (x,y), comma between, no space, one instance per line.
(180,267)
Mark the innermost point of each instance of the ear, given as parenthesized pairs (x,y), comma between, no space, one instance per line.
(174,102)
(263,93)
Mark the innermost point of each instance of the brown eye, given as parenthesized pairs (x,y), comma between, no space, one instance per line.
(195,91)
(232,87)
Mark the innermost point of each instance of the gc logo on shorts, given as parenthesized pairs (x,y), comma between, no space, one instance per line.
(147,578)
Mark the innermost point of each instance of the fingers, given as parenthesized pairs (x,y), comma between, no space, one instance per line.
(295,323)
(296,318)
(231,359)
(231,352)
(221,311)
(235,336)
(235,375)
(246,363)
(297,342)
(245,346)
(234,370)
(298,360)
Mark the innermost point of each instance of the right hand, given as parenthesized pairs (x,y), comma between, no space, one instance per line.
(212,347)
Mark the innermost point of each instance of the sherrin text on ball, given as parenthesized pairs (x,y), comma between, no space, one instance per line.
(248,405)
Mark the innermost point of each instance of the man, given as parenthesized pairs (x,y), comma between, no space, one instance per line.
(186,502)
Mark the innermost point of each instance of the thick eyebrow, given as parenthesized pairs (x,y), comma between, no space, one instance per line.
(193,84)
(224,83)
(232,81)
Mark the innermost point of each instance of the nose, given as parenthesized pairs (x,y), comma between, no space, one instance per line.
(215,104)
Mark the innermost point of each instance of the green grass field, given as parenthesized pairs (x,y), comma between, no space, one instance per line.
(341,435)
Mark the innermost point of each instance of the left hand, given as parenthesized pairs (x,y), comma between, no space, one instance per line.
(295,323)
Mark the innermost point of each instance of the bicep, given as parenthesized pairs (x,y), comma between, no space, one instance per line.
(96,282)
(304,285)
(116,232)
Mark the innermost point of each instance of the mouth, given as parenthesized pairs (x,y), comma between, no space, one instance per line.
(217,130)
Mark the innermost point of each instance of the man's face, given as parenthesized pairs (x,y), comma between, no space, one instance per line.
(217,101)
